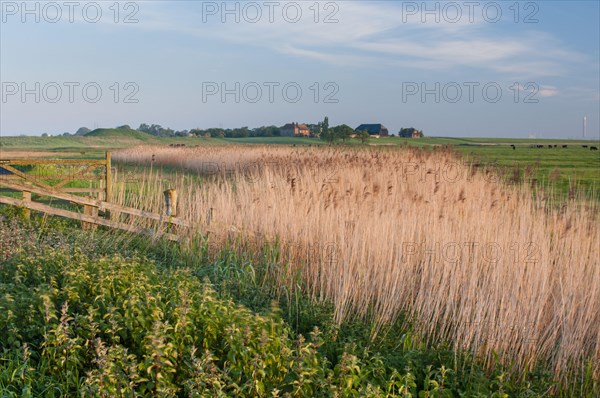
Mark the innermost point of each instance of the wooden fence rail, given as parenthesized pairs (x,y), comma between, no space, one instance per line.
(10,172)
(27,184)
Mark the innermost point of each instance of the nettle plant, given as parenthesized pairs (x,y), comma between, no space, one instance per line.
(109,326)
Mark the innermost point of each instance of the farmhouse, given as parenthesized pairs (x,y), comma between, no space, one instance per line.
(295,129)
(377,130)
(410,132)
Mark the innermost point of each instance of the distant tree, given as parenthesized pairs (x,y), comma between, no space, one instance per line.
(240,132)
(343,132)
(124,127)
(45,135)
(363,136)
(214,132)
(82,131)
(265,131)
(156,129)
(67,134)
(327,134)
(315,129)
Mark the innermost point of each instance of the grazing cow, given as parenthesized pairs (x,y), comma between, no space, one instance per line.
(564,146)
(593,148)
(513,147)
(540,146)
(549,146)
(584,146)
(555,146)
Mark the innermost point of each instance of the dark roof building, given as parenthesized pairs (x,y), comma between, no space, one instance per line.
(410,132)
(374,129)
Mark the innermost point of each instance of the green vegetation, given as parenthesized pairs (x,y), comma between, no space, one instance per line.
(137,318)
(95,145)
(129,133)
(67,146)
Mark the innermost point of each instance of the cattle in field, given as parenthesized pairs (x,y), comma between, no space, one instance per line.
(584,146)
(564,146)
(513,147)
(593,148)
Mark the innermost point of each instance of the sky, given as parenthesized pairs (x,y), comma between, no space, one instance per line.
(469,69)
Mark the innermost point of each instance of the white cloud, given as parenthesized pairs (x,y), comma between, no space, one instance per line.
(328,57)
(374,33)
(548,91)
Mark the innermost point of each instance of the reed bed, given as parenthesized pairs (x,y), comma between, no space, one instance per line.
(486,266)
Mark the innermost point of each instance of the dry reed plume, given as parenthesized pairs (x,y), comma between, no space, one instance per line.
(381,231)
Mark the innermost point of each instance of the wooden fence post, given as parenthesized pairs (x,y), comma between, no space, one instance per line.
(27,199)
(108,182)
(171,206)
(89,211)
(171,202)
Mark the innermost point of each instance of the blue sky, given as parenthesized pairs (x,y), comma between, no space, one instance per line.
(521,68)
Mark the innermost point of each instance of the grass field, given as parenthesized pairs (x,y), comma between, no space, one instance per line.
(556,169)
(90,146)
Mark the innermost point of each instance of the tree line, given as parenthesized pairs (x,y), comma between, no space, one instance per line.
(321,130)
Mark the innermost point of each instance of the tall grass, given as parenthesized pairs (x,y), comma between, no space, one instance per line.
(489,267)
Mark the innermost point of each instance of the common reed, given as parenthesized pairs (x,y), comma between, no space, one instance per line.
(380,232)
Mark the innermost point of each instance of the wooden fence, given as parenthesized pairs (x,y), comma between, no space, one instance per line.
(81,170)
(96,200)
